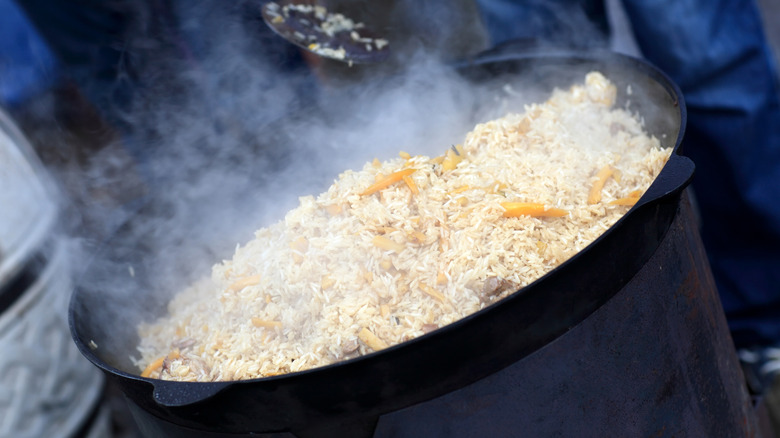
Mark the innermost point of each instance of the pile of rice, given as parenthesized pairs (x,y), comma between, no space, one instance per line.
(355,270)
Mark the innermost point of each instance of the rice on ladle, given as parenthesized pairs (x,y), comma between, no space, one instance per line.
(405,246)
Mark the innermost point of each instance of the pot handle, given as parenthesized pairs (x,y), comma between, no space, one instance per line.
(177,394)
(675,176)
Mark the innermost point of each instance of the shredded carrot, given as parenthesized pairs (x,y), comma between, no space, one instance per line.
(333,209)
(451,159)
(416,237)
(444,241)
(601,177)
(244,282)
(460,189)
(404,155)
(153,366)
(433,292)
(371,340)
(376,163)
(630,201)
(437,160)
(264,323)
(385,230)
(533,209)
(386,182)
(412,186)
(383,242)
(299,246)
(617,175)
(441,278)
(327,282)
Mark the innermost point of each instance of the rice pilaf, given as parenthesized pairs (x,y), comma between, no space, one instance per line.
(405,246)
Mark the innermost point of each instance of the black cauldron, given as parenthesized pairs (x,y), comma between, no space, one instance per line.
(627,338)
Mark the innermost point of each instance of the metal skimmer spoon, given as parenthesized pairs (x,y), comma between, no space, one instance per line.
(323,33)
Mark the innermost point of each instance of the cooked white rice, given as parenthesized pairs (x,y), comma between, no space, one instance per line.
(347,273)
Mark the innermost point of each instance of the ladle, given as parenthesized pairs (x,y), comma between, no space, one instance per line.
(331,35)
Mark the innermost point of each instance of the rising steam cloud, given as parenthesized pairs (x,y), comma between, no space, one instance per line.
(228,133)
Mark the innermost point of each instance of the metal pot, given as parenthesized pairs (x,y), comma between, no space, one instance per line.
(509,367)
(47,387)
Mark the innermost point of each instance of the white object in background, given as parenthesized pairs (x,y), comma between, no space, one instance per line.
(47,388)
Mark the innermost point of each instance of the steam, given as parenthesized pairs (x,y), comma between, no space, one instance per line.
(226,136)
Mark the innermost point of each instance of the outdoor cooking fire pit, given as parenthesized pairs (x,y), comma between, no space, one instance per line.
(627,338)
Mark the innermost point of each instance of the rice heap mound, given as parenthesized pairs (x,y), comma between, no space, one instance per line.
(405,246)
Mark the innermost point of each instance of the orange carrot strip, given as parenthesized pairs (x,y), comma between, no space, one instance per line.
(384,243)
(625,201)
(635,194)
(327,282)
(388,181)
(460,189)
(153,366)
(534,209)
(333,209)
(371,340)
(410,182)
(245,282)
(416,237)
(451,160)
(595,192)
(433,292)
(264,323)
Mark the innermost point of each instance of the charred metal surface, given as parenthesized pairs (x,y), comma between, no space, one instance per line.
(656,360)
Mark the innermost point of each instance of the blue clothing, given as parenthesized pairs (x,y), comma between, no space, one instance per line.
(716,51)
(26,65)
(585,24)
(721,60)
(88,39)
